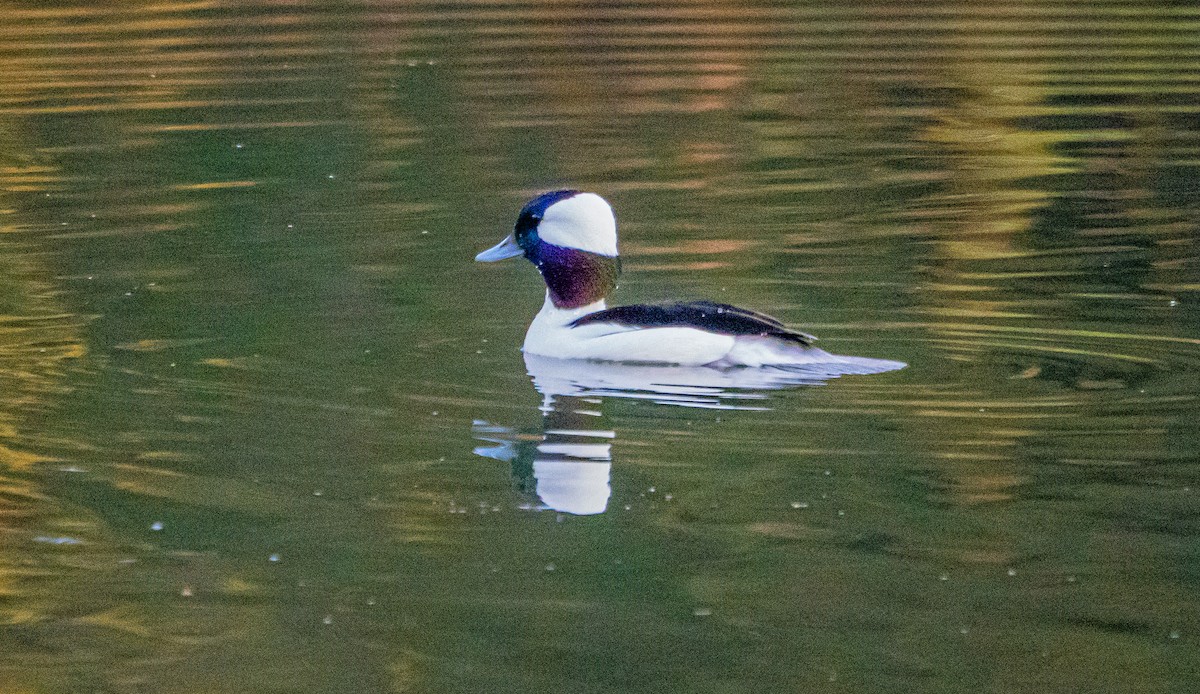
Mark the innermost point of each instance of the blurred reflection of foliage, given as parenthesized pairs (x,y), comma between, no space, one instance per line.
(38,340)
(39,343)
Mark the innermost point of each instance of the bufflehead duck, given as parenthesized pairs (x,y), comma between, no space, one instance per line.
(571,237)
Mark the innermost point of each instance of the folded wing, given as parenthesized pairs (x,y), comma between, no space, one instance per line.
(703,315)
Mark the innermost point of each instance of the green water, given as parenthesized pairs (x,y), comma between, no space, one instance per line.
(265,426)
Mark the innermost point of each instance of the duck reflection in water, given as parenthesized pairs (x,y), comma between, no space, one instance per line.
(579,352)
(567,466)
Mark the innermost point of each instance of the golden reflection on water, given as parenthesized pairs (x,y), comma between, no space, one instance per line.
(40,345)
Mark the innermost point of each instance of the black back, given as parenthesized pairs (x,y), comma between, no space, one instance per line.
(704,315)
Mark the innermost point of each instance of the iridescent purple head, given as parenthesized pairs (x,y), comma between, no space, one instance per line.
(572,239)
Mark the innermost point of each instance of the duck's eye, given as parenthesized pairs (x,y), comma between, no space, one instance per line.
(526,227)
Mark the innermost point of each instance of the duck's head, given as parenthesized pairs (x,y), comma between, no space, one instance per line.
(572,239)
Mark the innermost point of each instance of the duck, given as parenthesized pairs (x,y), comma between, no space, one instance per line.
(570,236)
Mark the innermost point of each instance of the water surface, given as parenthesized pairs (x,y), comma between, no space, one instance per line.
(247,362)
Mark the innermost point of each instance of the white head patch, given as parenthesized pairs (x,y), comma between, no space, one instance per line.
(583,221)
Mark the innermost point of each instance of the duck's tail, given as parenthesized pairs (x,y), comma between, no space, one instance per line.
(764,351)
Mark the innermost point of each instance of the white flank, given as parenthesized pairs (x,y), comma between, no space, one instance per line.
(550,335)
(584,221)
